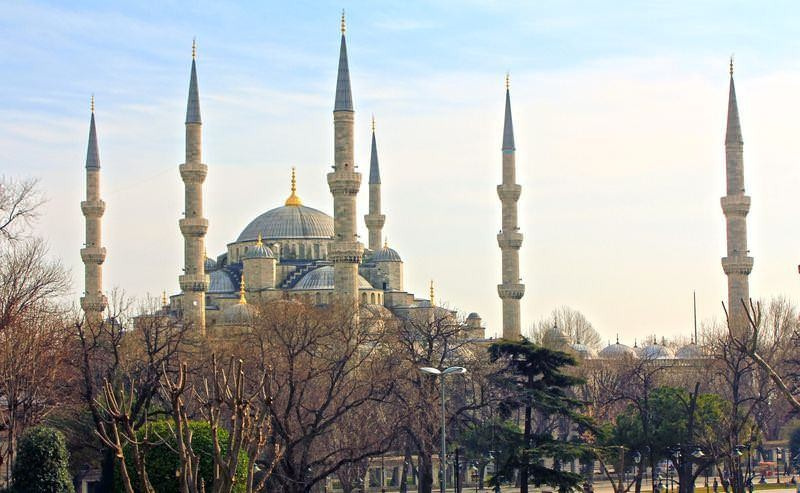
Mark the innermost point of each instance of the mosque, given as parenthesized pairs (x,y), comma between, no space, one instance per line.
(295,251)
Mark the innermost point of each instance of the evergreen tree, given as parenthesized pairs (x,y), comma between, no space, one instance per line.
(42,463)
(533,379)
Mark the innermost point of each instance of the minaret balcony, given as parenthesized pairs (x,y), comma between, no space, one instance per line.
(93,208)
(511,291)
(735,205)
(193,172)
(509,192)
(194,282)
(193,226)
(375,220)
(94,303)
(509,239)
(343,182)
(345,252)
(93,255)
(737,265)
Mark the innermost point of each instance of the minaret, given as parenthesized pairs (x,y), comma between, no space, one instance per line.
(510,239)
(194,281)
(344,182)
(93,254)
(374,220)
(735,205)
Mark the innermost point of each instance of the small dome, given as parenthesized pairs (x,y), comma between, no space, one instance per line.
(259,251)
(238,314)
(209,264)
(322,278)
(617,351)
(473,316)
(220,282)
(386,254)
(690,351)
(583,350)
(657,351)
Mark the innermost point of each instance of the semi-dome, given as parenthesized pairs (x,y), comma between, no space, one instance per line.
(322,278)
(617,351)
(689,351)
(386,254)
(289,221)
(220,282)
(657,351)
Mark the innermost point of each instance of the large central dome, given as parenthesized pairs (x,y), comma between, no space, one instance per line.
(289,221)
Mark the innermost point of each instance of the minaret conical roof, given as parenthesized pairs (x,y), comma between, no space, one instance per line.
(508,125)
(344,97)
(733,135)
(193,104)
(92,151)
(374,169)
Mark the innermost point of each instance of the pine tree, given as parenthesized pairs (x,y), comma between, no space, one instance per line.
(533,380)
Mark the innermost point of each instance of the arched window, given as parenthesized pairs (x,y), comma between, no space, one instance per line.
(318,298)
(302,250)
(372,298)
(363,297)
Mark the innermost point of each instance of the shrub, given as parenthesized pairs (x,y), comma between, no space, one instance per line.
(161,461)
(42,463)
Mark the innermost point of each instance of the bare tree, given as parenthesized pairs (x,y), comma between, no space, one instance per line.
(19,204)
(569,321)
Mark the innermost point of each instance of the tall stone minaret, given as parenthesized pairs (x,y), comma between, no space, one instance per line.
(374,220)
(194,281)
(93,254)
(510,239)
(344,182)
(735,205)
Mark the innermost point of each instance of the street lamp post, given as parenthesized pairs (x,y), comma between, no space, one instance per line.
(442,457)
(778,457)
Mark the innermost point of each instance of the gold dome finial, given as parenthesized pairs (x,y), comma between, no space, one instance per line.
(242,299)
(293,198)
(344,26)
(508,81)
(259,243)
(373,123)
(432,297)
(91,103)
(194,48)
(731,66)
(385,242)
(163,299)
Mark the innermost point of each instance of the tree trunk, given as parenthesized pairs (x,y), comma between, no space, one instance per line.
(425,471)
(523,470)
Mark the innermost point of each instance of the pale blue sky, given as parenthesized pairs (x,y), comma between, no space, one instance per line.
(619,111)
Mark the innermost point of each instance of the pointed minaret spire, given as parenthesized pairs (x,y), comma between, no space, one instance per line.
(194,281)
(737,265)
(433,299)
(344,98)
(509,239)
(508,124)
(93,254)
(344,183)
(374,220)
(193,105)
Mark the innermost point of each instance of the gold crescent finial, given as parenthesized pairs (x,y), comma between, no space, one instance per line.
(259,243)
(344,26)
(432,297)
(508,81)
(163,298)
(373,123)
(385,242)
(293,198)
(91,104)
(731,66)
(242,299)
(194,48)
